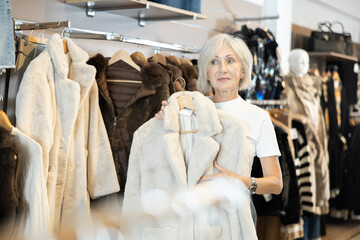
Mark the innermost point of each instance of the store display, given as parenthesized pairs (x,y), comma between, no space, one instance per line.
(266,76)
(79,132)
(327,40)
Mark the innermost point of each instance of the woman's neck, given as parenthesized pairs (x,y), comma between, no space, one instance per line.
(224,96)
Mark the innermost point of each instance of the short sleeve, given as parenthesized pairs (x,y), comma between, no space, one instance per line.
(267,144)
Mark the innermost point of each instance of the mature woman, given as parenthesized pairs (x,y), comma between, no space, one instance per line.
(225,65)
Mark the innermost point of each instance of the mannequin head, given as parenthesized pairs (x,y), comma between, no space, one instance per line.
(299,62)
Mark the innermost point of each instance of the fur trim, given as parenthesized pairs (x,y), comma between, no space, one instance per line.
(9,168)
(99,62)
(154,75)
(189,72)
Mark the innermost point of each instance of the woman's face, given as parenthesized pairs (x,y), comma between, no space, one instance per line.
(224,70)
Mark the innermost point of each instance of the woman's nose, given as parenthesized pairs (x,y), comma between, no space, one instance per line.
(223,67)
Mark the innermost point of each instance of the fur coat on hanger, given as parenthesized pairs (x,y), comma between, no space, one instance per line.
(58,106)
(10,200)
(157,163)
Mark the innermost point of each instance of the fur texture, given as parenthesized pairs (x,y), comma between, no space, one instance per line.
(9,168)
(190,74)
(58,107)
(154,75)
(156,162)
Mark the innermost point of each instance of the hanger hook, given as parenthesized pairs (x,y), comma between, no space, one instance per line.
(122,43)
(178,79)
(62,33)
(138,46)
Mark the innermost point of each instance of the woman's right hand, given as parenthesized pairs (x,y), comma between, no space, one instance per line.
(160,114)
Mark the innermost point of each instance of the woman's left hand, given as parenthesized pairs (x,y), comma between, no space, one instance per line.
(223,173)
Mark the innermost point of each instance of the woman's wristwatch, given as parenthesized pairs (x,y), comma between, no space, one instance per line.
(253,186)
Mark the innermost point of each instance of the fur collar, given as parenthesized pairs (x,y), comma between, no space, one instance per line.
(72,82)
(205,111)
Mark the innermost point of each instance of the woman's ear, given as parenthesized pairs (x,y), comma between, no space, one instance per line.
(242,75)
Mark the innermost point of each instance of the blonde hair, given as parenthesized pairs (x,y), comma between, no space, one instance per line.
(212,47)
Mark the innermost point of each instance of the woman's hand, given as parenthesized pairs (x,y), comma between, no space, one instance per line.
(225,173)
(160,114)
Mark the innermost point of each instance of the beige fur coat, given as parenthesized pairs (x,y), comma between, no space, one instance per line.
(57,106)
(156,162)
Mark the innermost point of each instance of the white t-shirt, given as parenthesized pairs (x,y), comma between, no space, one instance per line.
(261,138)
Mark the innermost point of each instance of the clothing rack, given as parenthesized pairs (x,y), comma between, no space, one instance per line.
(20,25)
(256,18)
(79,33)
(98,35)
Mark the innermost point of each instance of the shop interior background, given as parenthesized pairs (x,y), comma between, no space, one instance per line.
(193,33)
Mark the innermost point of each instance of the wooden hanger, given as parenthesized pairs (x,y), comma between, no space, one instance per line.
(40,40)
(124,56)
(174,60)
(186,61)
(184,100)
(65,46)
(159,58)
(140,57)
(5,122)
(35,39)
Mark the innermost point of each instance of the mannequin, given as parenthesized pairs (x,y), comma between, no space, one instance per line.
(299,62)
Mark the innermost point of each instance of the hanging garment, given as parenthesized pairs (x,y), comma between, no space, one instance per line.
(189,73)
(58,106)
(303,97)
(33,223)
(10,200)
(25,52)
(157,162)
(126,105)
(335,145)
(305,167)
(286,205)
(7,47)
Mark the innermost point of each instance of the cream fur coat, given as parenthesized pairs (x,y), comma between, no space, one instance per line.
(156,162)
(57,106)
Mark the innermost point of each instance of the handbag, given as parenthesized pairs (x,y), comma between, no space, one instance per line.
(326,40)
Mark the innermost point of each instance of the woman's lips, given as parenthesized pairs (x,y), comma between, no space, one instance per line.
(223,79)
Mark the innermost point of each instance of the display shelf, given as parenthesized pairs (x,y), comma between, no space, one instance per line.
(139,9)
(332,56)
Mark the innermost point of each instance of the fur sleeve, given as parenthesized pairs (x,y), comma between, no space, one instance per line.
(101,175)
(132,206)
(36,105)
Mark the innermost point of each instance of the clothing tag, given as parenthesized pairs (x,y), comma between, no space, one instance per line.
(267,197)
(293,133)
(186,112)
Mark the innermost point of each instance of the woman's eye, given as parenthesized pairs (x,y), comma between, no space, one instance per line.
(230,60)
(213,62)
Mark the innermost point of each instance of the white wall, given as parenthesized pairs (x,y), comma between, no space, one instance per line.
(308,13)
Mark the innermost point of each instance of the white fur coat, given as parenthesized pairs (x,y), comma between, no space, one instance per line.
(57,106)
(156,163)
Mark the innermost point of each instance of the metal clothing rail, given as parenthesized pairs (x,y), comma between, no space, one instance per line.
(97,35)
(68,31)
(256,18)
(29,25)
